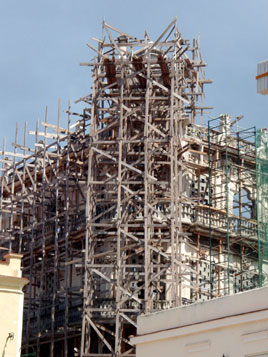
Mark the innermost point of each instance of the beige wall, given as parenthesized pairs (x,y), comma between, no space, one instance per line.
(232,326)
(11,305)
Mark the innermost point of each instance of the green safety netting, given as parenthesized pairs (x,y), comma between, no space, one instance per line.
(262,203)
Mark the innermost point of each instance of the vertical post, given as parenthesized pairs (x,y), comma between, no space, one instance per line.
(22,189)
(210,161)
(56,237)
(12,213)
(198,290)
(240,202)
(173,227)
(32,266)
(227,202)
(259,199)
(67,233)
(2,183)
(43,237)
(146,189)
(118,331)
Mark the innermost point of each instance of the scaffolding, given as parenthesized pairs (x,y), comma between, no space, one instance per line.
(42,207)
(262,203)
(135,237)
(134,205)
(233,222)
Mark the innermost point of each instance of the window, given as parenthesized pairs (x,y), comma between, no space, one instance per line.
(244,205)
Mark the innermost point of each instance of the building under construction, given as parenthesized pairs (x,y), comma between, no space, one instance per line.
(134,205)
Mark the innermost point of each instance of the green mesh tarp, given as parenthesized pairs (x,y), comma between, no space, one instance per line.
(262,203)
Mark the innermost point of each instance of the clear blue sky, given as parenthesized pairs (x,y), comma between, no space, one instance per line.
(43,41)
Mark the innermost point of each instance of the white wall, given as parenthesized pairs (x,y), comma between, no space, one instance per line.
(231,326)
(11,305)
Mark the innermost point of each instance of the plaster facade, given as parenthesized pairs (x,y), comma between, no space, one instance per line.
(11,305)
(231,326)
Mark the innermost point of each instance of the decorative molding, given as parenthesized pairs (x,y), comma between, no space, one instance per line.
(254,336)
(198,346)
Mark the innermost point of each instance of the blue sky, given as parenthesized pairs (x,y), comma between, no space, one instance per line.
(43,42)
